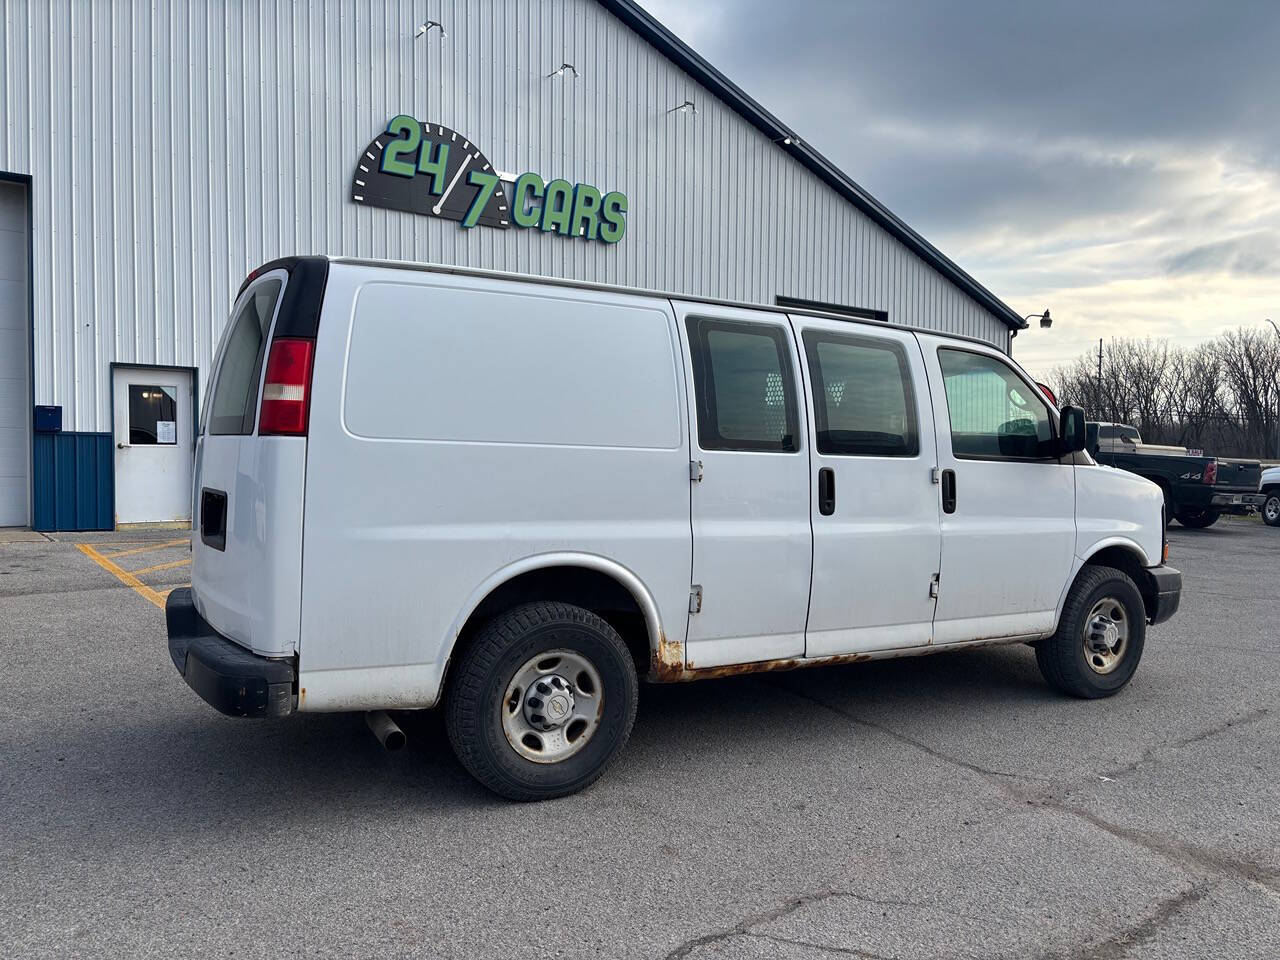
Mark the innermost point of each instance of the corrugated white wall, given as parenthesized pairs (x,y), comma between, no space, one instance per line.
(173,146)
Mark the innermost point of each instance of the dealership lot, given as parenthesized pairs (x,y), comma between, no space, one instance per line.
(944,806)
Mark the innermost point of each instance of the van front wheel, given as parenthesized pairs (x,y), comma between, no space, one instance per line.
(542,701)
(1100,636)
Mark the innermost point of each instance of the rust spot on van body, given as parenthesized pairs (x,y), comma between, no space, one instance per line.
(663,669)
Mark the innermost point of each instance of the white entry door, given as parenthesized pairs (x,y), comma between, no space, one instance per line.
(154,450)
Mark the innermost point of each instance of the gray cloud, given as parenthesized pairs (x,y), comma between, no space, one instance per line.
(1256,253)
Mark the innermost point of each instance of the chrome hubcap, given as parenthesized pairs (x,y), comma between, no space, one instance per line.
(1106,635)
(1271,509)
(552,706)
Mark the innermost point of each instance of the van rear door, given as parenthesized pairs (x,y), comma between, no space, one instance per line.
(247,492)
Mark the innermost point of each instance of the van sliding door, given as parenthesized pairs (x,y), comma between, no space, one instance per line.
(752,544)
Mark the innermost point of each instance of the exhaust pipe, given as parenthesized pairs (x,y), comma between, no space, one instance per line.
(385,729)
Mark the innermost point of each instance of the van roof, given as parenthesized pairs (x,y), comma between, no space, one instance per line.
(316,270)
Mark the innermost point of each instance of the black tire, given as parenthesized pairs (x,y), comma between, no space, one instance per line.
(477,687)
(1064,657)
(1197,518)
(1271,509)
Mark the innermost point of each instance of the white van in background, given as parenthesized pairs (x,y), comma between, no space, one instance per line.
(514,497)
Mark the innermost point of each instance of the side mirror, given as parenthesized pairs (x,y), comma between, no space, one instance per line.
(1071,430)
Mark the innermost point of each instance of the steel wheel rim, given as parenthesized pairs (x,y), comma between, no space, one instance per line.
(552,706)
(1271,509)
(1106,635)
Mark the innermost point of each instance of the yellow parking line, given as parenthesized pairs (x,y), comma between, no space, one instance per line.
(162,566)
(151,546)
(124,576)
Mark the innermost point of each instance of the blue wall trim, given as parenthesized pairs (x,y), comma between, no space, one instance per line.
(74,481)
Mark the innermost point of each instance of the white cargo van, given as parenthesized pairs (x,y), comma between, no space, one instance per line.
(514,497)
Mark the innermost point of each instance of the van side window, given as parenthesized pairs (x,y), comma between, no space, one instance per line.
(233,403)
(995,414)
(863,403)
(744,386)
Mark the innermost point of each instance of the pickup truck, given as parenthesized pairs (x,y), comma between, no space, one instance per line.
(1270,490)
(1197,490)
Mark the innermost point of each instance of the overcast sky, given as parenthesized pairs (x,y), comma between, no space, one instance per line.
(1117,162)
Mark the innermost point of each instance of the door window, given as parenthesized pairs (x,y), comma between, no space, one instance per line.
(153,415)
(235,395)
(743,383)
(995,414)
(863,403)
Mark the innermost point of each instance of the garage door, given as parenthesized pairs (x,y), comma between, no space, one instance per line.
(15,396)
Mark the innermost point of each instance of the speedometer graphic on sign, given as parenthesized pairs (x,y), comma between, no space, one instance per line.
(428,169)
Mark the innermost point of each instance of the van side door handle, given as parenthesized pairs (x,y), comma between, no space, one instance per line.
(948,491)
(826,491)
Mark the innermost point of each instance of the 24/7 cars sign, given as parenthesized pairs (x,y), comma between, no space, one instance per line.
(428,169)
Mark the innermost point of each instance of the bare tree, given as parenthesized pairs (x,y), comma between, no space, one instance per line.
(1222,396)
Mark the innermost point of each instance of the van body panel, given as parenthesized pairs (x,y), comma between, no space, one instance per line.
(876,554)
(405,523)
(251,591)
(1009,544)
(1115,507)
(247,582)
(752,540)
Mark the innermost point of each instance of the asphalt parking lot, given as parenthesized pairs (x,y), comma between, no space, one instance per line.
(948,806)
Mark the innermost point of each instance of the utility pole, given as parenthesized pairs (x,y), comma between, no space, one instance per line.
(1277,330)
(1099,374)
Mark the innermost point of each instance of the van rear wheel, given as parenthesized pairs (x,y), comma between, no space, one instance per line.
(542,701)
(1100,636)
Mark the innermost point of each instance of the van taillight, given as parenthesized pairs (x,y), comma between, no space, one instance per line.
(1210,474)
(286,392)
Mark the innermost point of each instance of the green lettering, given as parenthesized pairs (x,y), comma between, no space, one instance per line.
(527,185)
(557,207)
(436,168)
(586,210)
(487,182)
(409,128)
(614,215)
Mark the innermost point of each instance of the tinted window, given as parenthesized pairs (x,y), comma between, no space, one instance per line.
(235,395)
(745,391)
(994,412)
(863,402)
(1108,433)
(153,415)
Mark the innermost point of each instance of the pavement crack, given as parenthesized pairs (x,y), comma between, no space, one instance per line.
(1151,753)
(744,927)
(1195,860)
(997,777)
(1120,943)
(825,948)
(1185,855)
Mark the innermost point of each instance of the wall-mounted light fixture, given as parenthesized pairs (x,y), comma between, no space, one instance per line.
(687,107)
(789,140)
(561,70)
(1046,321)
(426,26)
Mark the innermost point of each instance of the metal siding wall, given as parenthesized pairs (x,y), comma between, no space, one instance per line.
(175,146)
(74,482)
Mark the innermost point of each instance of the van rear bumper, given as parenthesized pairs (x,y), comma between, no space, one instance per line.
(230,678)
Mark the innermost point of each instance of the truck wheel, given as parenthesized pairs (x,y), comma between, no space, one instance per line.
(1197,518)
(1100,636)
(1271,509)
(542,701)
